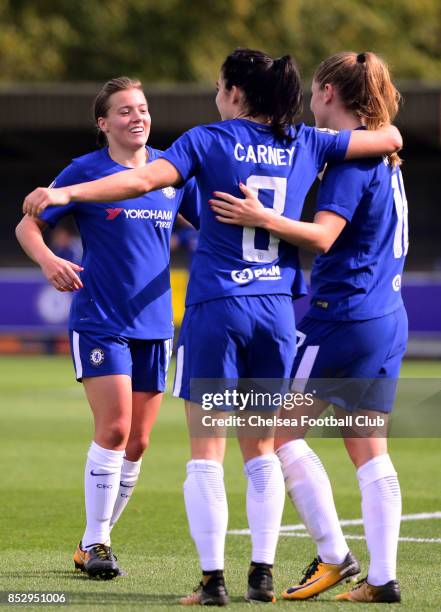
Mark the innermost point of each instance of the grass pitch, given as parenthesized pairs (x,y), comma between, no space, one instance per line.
(46,429)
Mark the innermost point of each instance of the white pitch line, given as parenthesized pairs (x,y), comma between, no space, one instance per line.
(360,537)
(422,516)
(287,530)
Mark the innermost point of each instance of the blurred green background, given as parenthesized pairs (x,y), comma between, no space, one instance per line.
(182,40)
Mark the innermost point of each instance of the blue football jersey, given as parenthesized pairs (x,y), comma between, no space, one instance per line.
(126,252)
(232,260)
(360,276)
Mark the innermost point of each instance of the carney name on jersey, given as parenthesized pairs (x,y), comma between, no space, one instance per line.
(126,252)
(359,278)
(231,260)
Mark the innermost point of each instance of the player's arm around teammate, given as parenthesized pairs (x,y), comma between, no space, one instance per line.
(120,338)
(217,352)
(361,216)
(133,183)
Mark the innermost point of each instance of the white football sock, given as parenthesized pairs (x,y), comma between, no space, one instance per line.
(101,481)
(310,491)
(265,501)
(129,477)
(381,509)
(207,511)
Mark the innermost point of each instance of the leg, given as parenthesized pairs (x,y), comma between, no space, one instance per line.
(145,408)
(265,501)
(270,351)
(110,398)
(207,511)
(150,361)
(102,362)
(223,357)
(377,478)
(204,489)
(305,477)
(265,496)
(310,490)
(205,497)
(381,505)
(362,450)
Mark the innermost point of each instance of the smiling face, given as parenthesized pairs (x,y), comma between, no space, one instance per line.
(127,121)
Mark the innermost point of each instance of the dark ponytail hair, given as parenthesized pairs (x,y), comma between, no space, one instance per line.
(101,103)
(272,87)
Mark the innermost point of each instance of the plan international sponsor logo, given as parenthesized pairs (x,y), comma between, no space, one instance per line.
(241,277)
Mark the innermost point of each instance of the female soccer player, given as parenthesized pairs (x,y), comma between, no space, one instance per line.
(121,320)
(239,321)
(356,327)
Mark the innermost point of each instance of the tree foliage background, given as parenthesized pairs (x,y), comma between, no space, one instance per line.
(187,40)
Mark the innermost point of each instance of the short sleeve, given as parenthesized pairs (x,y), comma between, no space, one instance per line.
(187,151)
(69,176)
(342,188)
(190,205)
(330,145)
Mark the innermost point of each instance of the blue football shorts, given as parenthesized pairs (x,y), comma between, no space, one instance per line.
(351,364)
(99,354)
(232,339)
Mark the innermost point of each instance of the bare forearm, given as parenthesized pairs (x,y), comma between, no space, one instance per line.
(30,237)
(373,143)
(311,236)
(61,273)
(119,186)
(114,188)
(128,184)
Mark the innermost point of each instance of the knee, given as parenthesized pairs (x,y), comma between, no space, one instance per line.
(136,447)
(361,450)
(255,447)
(115,435)
(210,449)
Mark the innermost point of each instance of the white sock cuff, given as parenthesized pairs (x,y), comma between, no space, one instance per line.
(256,462)
(204,465)
(292,451)
(104,456)
(130,469)
(375,469)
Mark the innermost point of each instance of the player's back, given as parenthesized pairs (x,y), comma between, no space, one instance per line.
(232,260)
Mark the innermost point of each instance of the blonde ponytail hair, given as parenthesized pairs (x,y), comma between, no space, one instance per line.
(365,88)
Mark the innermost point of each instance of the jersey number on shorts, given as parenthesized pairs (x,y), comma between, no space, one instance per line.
(249,251)
(401,239)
